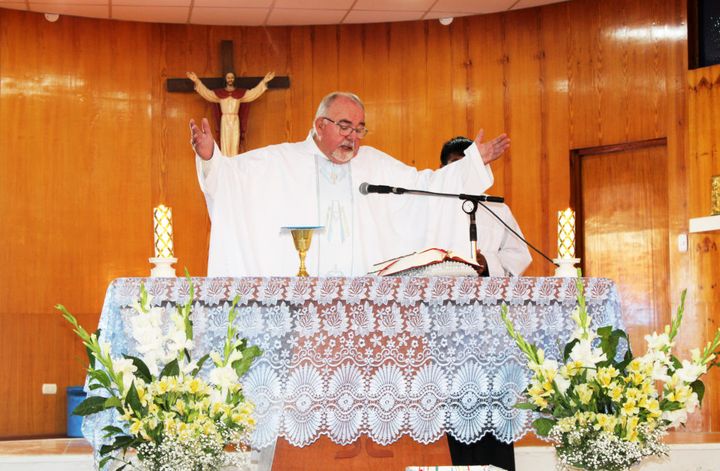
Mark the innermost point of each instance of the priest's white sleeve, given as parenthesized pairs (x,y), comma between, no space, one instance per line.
(207,170)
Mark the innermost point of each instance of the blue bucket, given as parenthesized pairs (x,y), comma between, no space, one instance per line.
(75,395)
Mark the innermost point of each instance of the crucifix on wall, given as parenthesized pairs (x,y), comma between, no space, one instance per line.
(231,95)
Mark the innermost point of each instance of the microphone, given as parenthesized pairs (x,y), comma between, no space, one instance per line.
(482,198)
(366,188)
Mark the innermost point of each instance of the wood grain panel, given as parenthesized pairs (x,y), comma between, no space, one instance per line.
(524,104)
(555,131)
(703,139)
(92,141)
(484,105)
(625,209)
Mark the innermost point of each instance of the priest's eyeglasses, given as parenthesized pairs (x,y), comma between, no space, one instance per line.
(345,129)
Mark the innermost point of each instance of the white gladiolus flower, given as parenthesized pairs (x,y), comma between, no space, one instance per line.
(658,342)
(588,356)
(104,347)
(695,355)
(690,371)
(562,383)
(125,368)
(188,368)
(216,358)
(235,355)
(675,417)
(223,377)
(178,321)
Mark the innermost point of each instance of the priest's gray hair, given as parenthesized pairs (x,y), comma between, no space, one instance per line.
(329,99)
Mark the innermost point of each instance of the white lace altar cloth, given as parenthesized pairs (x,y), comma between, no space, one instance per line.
(379,356)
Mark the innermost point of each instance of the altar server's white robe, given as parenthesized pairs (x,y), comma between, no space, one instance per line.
(251,196)
(505,253)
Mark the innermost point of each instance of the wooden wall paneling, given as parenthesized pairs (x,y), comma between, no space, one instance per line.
(382,111)
(326,61)
(703,99)
(555,132)
(262,51)
(676,119)
(525,164)
(610,63)
(410,47)
(301,104)
(462,88)
(487,89)
(583,82)
(51,353)
(643,48)
(439,70)
(700,326)
(390,133)
(351,56)
(184,49)
(81,128)
(676,125)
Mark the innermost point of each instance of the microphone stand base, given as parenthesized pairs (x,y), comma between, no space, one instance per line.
(566,267)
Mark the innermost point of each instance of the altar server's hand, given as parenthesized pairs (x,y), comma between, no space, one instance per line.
(492,150)
(201,139)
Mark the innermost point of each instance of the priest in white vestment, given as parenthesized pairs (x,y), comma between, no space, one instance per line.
(315,182)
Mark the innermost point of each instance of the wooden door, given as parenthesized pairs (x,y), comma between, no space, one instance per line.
(623,224)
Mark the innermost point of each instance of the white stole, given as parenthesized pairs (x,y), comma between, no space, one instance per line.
(335,210)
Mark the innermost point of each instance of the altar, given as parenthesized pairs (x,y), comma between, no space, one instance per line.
(382,359)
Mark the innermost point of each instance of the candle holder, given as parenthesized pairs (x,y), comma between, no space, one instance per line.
(163,267)
(566,267)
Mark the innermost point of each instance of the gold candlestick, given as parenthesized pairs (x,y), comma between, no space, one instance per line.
(302,238)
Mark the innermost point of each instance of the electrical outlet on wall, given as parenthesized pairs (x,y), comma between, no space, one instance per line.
(682,243)
(49,388)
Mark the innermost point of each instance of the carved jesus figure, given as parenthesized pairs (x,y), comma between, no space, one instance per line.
(232,103)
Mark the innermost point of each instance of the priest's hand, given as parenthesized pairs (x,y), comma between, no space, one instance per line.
(491,150)
(201,139)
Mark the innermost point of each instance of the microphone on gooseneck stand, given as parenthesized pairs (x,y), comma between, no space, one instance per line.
(366,188)
(475,200)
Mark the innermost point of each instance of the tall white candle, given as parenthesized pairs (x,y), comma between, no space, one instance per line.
(566,233)
(162,222)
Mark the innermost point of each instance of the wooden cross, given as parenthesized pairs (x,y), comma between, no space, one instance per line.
(226,57)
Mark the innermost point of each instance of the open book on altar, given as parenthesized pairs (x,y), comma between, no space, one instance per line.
(428,262)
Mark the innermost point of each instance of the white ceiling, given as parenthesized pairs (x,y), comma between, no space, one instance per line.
(270,12)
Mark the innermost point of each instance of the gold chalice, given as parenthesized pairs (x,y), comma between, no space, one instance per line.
(302,236)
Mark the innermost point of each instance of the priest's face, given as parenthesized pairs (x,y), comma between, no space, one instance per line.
(343,116)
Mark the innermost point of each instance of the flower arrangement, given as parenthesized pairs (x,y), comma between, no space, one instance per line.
(605,410)
(172,417)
